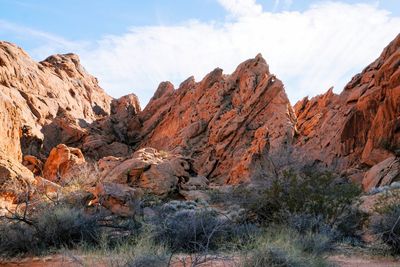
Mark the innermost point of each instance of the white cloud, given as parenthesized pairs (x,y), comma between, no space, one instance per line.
(241,8)
(47,43)
(310,51)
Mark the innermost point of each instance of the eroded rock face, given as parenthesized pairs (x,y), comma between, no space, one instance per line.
(38,91)
(358,128)
(382,174)
(61,161)
(225,129)
(228,124)
(32,96)
(156,171)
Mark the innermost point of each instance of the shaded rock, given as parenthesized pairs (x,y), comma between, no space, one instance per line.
(61,161)
(156,171)
(381,174)
(118,198)
(34,164)
(16,181)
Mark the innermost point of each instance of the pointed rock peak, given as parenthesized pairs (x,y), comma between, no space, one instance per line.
(188,83)
(62,59)
(212,77)
(258,65)
(260,58)
(163,89)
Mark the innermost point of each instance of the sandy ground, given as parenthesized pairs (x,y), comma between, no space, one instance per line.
(69,261)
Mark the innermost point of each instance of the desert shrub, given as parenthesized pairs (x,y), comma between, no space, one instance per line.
(50,227)
(62,225)
(16,238)
(329,200)
(145,253)
(185,227)
(283,247)
(386,224)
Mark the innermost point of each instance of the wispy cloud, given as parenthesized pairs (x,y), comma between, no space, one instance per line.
(47,43)
(310,51)
(241,8)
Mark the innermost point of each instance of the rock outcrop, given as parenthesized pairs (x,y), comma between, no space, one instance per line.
(359,128)
(159,172)
(38,91)
(61,162)
(228,124)
(32,97)
(224,129)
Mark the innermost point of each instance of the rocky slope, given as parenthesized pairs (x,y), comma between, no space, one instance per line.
(358,128)
(224,129)
(33,95)
(228,124)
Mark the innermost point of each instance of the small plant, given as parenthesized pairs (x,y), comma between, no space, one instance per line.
(187,227)
(284,247)
(386,224)
(50,227)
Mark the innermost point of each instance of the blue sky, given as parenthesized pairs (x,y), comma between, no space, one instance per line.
(131,46)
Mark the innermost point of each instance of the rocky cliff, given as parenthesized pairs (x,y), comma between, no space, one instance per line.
(32,97)
(359,128)
(224,129)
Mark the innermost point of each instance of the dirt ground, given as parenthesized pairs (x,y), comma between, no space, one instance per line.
(70,261)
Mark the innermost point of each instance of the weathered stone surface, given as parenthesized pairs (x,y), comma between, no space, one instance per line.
(152,170)
(358,128)
(226,129)
(37,91)
(16,181)
(381,174)
(228,124)
(33,164)
(118,198)
(61,161)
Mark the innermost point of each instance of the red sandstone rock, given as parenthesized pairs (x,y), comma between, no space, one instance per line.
(61,161)
(358,128)
(227,129)
(156,171)
(228,124)
(381,174)
(118,198)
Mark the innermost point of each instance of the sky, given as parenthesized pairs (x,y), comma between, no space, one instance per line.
(132,46)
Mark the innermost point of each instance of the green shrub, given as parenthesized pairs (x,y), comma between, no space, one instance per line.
(284,247)
(386,224)
(321,196)
(65,226)
(16,238)
(50,227)
(185,227)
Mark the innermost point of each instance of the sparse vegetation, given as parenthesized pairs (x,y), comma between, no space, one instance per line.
(294,222)
(284,247)
(386,224)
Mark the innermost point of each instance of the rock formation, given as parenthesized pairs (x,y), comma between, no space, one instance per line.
(32,96)
(224,129)
(228,124)
(359,128)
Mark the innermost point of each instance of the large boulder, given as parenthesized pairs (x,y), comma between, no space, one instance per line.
(382,174)
(61,163)
(156,171)
(120,199)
